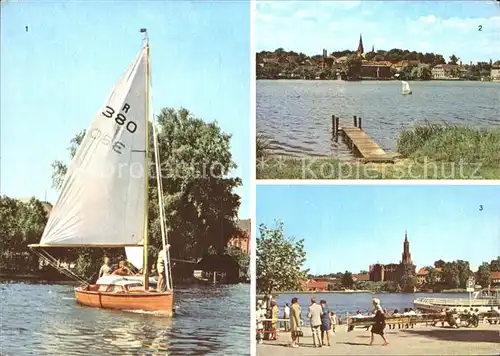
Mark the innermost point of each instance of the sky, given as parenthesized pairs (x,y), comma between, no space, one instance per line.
(352,227)
(56,75)
(444,27)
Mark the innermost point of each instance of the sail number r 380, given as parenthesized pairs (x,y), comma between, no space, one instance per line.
(120,119)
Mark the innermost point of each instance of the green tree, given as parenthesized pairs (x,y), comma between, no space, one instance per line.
(484,275)
(464,272)
(495,265)
(347,280)
(353,67)
(432,276)
(280,261)
(9,227)
(451,275)
(196,160)
(21,224)
(453,59)
(422,72)
(409,279)
(439,264)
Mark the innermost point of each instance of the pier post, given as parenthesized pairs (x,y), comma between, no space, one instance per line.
(359,123)
(336,128)
(334,133)
(355,119)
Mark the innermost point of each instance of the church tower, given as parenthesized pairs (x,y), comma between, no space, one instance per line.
(360,50)
(406,258)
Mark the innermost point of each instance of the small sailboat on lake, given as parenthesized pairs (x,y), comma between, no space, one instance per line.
(406,90)
(104,197)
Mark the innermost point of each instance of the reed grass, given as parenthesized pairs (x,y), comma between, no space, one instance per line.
(262,147)
(451,143)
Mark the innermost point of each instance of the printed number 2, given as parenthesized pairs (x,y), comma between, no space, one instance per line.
(480,27)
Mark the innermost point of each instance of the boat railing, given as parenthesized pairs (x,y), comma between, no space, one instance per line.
(457,302)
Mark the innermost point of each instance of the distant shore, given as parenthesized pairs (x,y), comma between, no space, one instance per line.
(420,340)
(385,80)
(365,291)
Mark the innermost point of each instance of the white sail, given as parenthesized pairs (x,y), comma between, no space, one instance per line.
(406,87)
(102,197)
(135,255)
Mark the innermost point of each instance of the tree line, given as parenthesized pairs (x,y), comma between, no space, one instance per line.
(201,208)
(290,64)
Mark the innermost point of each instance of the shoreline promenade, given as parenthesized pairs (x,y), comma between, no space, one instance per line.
(421,340)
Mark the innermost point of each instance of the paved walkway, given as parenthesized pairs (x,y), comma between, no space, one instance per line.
(422,340)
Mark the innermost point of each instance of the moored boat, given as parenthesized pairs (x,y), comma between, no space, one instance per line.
(482,300)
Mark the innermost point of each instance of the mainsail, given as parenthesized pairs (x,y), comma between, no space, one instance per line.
(102,198)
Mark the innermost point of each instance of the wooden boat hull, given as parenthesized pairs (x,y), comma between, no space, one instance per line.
(126,299)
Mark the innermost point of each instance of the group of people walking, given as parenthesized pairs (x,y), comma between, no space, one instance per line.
(322,322)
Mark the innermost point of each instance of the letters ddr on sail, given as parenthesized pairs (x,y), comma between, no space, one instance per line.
(102,196)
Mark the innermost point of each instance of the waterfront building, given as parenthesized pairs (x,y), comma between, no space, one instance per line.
(495,73)
(444,71)
(495,279)
(423,273)
(242,240)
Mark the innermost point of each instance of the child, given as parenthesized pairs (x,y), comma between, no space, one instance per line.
(333,322)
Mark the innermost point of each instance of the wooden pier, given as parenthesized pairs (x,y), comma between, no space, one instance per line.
(359,142)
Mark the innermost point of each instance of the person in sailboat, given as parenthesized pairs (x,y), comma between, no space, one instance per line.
(154,272)
(105,268)
(160,267)
(122,270)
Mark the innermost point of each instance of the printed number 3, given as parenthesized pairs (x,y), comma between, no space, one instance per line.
(109,112)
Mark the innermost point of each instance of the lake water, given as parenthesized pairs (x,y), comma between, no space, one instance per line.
(44,319)
(295,115)
(343,303)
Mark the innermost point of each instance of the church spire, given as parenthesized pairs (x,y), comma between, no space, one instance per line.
(361,50)
(406,256)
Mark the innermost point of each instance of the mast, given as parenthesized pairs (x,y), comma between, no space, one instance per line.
(145,265)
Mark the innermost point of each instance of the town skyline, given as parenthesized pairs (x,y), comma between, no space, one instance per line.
(365,225)
(367,49)
(441,28)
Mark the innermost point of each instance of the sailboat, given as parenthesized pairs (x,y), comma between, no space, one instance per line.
(104,196)
(406,90)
